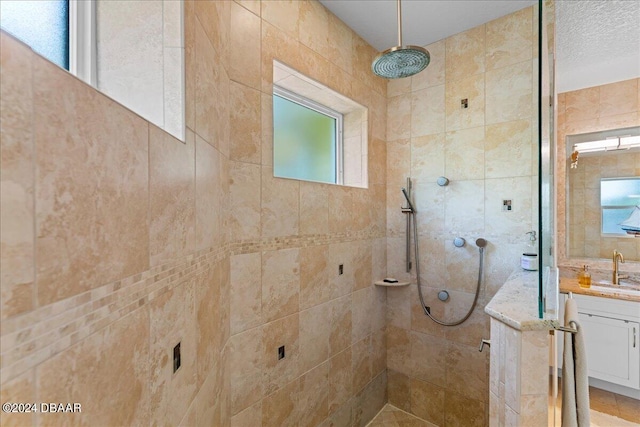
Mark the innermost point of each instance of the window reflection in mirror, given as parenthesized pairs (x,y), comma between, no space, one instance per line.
(131,50)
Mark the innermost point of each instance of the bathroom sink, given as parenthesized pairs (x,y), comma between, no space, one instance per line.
(625,287)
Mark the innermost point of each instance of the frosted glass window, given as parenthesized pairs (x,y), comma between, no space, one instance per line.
(42,24)
(618,199)
(305,139)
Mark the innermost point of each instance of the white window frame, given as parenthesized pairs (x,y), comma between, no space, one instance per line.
(82,40)
(322,109)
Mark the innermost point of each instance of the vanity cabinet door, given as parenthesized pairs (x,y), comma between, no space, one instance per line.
(612,349)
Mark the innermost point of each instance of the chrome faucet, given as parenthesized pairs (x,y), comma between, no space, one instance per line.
(617,256)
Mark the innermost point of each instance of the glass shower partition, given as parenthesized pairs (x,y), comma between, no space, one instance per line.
(548,273)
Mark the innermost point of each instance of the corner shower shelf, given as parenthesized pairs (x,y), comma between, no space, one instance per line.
(391,285)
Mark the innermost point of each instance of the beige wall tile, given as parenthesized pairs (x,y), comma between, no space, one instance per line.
(246,352)
(280,205)
(208,74)
(341,325)
(189,25)
(340,44)
(208,195)
(315,286)
(315,331)
(399,123)
(433,75)
(463,411)
(172,196)
(508,93)
(216,21)
(313,23)
(246,123)
(340,380)
(361,304)
(427,360)
(534,409)
(510,39)
(464,154)
(244,195)
(427,111)
(514,222)
(507,149)
(471,88)
(427,401)
(314,208)
(466,371)
(19,389)
(252,416)
(277,373)
(582,104)
(280,283)
(618,98)
(279,13)
(361,363)
(314,396)
(427,158)
(244,58)
(209,330)
(465,54)
(123,347)
(282,407)
(399,350)
(378,351)
(399,390)
(172,320)
(17,179)
(86,223)
(464,203)
(246,292)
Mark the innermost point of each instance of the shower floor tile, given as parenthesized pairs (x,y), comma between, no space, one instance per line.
(390,416)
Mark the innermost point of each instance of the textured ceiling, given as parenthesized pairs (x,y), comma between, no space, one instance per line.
(597,42)
(423,21)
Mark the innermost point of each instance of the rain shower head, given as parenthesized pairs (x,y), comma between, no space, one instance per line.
(400,61)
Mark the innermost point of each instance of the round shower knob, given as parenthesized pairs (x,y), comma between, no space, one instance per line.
(459,242)
(443,295)
(442,181)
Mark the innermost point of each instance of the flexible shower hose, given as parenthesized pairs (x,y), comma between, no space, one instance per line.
(424,307)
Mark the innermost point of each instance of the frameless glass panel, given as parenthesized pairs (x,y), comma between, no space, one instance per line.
(304,142)
(42,24)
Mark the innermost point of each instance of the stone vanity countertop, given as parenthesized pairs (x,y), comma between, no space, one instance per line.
(621,293)
(516,303)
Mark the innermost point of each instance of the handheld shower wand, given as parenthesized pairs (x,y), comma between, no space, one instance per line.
(411,208)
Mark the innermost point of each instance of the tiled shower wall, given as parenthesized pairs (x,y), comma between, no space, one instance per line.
(119,241)
(489,153)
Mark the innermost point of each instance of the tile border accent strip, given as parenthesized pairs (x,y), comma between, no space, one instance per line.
(30,338)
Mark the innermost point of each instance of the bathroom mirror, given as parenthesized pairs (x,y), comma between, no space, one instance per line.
(131,50)
(598,103)
(603,194)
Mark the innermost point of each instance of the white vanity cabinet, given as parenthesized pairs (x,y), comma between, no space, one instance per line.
(612,337)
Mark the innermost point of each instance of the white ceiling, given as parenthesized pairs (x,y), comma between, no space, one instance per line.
(597,41)
(423,21)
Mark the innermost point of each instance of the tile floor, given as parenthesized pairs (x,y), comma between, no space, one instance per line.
(614,404)
(390,416)
(609,403)
(602,401)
